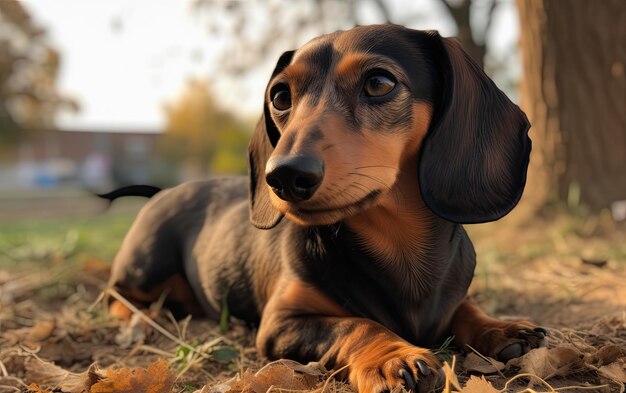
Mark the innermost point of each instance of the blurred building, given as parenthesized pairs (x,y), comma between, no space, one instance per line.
(95,160)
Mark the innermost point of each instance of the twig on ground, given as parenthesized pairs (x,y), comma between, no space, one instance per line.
(488,360)
(331,376)
(153,324)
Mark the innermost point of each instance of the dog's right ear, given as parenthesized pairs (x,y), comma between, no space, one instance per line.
(266,135)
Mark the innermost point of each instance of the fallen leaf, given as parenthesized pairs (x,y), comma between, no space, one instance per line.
(608,354)
(548,363)
(615,371)
(94,375)
(311,368)
(473,362)
(157,378)
(478,385)
(51,376)
(282,374)
(33,388)
(42,330)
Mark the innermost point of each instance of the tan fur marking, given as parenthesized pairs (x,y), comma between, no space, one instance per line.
(399,225)
(350,66)
(300,297)
(296,74)
(176,288)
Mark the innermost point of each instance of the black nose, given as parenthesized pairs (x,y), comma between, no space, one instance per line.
(294,178)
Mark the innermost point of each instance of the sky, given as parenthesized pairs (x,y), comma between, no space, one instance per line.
(123,60)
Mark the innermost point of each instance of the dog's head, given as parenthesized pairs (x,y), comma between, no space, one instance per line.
(349,112)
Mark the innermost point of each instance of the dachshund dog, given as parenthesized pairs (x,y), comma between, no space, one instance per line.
(347,248)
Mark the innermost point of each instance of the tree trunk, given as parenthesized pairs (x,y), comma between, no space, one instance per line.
(574,93)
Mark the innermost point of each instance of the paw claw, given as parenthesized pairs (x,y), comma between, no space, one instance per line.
(423,368)
(542,330)
(408,378)
(441,379)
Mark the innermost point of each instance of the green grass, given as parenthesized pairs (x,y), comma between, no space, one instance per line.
(39,242)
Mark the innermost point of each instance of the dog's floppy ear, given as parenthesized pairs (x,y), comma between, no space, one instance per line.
(474,158)
(262,214)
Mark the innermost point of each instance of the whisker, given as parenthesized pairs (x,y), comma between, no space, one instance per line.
(376,166)
(359,186)
(376,179)
(395,192)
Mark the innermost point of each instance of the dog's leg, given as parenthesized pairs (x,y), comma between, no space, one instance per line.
(147,266)
(178,295)
(302,323)
(497,339)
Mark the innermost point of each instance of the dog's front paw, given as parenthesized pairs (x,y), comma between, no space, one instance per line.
(507,340)
(383,369)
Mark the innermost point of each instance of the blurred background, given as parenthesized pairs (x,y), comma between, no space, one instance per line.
(99,94)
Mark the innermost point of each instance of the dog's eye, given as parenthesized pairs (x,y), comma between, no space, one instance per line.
(281,97)
(378,85)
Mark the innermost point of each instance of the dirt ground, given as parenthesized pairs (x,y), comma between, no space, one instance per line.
(567,274)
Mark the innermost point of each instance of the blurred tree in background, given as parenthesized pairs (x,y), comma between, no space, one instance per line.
(29,65)
(291,22)
(203,136)
(574,93)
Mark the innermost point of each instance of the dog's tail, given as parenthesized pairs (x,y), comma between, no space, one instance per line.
(134,190)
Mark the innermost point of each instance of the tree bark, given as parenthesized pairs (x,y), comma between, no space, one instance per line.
(574,93)
(460,12)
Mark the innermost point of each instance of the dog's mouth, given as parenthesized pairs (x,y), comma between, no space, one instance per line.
(348,208)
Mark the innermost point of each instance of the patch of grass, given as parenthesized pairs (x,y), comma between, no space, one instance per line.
(61,240)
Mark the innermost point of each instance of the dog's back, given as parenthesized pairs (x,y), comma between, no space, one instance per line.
(205,220)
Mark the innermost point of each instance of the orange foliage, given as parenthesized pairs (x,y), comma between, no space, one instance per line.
(157,378)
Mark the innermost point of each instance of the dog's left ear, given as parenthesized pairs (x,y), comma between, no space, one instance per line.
(474,158)
(262,214)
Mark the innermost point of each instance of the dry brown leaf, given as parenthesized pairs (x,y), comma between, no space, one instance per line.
(478,385)
(547,363)
(615,371)
(51,376)
(474,362)
(608,326)
(311,368)
(94,375)
(608,354)
(157,378)
(42,330)
(278,376)
(33,388)
(282,374)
